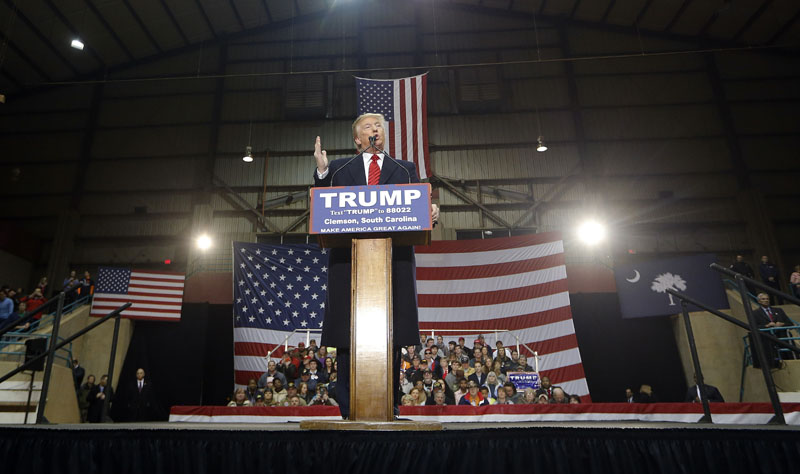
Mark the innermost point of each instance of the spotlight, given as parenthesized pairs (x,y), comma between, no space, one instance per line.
(542,147)
(591,232)
(248,154)
(77,44)
(204,242)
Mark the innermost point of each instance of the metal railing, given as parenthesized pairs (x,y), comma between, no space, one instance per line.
(54,345)
(285,342)
(751,326)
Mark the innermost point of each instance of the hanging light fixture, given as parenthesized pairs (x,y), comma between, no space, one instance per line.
(248,150)
(77,44)
(248,154)
(541,147)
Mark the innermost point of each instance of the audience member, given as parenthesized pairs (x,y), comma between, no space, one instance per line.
(492,384)
(78,373)
(417,396)
(86,286)
(279,393)
(83,401)
(546,387)
(315,375)
(742,267)
(711,392)
(542,399)
(528,396)
(304,393)
(252,391)
(522,364)
(269,399)
(473,396)
(6,309)
(511,392)
(96,398)
(559,396)
(404,385)
(478,377)
(293,390)
(485,394)
(794,282)
(272,371)
(288,368)
(42,285)
(499,347)
(574,399)
(34,301)
(771,317)
(629,397)
(646,394)
(497,368)
(439,398)
(463,387)
(502,398)
(260,400)
(407,401)
(322,398)
(70,287)
(295,401)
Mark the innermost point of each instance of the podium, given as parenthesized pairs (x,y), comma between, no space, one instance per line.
(371,351)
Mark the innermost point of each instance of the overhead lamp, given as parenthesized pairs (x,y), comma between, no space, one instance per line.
(204,242)
(541,147)
(591,232)
(248,154)
(77,44)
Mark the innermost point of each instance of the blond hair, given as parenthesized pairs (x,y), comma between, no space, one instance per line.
(363,117)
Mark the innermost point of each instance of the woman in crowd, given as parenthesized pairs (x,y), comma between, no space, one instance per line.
(497,368)
(417,397)
(407,401)
(492,384)
(303,392)
(328,367)
(542,399)
(239,398)
(574,399)
(529,396)
(269,401)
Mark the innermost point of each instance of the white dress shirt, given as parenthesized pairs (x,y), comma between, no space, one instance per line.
(367,157)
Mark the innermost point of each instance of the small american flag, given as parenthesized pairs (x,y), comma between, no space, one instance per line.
(277,289)
(403,102)
(156,296)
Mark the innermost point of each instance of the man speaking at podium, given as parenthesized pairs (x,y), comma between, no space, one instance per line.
(371,166)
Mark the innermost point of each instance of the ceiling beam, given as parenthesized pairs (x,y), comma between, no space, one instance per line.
(236,14)
(642,12)
(678,15)
(266,9)
(174,21)
(789,24)
(753,18)
(74,31)
(711,20)
(24,56)
(43,39)
(608,11)
(142,26)
(206,18)
(108,27)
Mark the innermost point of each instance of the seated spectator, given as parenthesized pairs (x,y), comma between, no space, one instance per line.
(6,309)
(287,368)
(304,393)
(559,396)
(492,384)
(316,376)
(528,396)
(542,399)
(479,377)
(451,379)
(332,385)
(22,308)
(473,396)
(417,396)
(646,394)
(499,347)
(293,391)
(259,400)
(485,394)
(294,401)
(546,387)
(279,393)
(269,400)
(438,398)
(522,364)
(407,401)
(794,282)
(272,371)
(70,287)
(502,398)
(414,373)
(511,392)
(460,356)
(42,285)
(462,390)
(322,398)
(327,366)
(505,362)
(86,286)
(574,399)
(239,398)
(497,368)
(252,391)
(404,385)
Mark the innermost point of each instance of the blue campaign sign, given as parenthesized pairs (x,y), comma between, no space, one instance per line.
(357,209)
(523,380)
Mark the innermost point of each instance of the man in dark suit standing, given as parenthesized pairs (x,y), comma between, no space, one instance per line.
(141,399)
(96,398)
(711,393)
(370,166)
(770,276)
(78,373)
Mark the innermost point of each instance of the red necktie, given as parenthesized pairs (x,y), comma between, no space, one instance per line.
(374,171)
(769,313)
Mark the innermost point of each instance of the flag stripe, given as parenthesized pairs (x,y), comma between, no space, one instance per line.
(411,117)
(425,170)
(460,300)
(516,322)
(111,298)
(490,257)
(500,310)
(490,270)
(495,283)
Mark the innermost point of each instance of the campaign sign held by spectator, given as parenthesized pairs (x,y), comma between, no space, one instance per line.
(357,209)
(642,286)
(523,380)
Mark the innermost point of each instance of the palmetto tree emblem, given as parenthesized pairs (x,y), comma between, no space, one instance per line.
(668,280)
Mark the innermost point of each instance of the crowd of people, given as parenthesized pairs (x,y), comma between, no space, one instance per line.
(770,275)
(431,373)
(14,303)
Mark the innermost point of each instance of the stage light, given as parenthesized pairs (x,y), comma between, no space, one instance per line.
(591,232)
(204,242)
(248,154)
(542,147)
(77,44)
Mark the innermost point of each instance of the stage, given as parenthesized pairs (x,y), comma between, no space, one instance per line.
(465,446)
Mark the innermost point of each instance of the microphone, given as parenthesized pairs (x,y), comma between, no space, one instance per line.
(372,141)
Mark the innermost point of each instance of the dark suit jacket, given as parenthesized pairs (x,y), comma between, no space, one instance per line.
(336,332)
(777,314)
(711,392)
(95,414)
(480,381)
(141,405)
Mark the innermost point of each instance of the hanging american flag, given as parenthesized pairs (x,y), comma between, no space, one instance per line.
(473,287)
(403,102)
(277,289)
(156,296)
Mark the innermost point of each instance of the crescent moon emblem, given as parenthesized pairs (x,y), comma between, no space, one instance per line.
(635,277)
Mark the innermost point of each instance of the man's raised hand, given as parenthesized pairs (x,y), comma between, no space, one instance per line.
(321,156)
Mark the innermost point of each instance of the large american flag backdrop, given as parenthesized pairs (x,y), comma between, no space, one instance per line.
(517,284)
(155,296)
(403,102)
(466,288)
